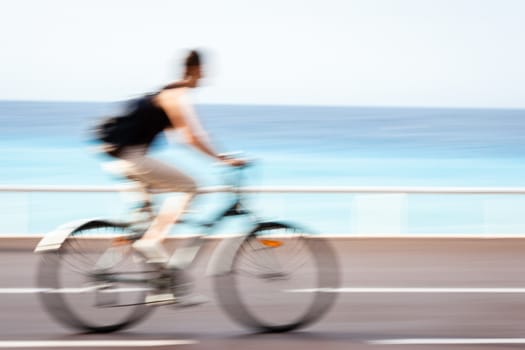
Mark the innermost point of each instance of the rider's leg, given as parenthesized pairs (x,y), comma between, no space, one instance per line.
(159,176)
(150,245)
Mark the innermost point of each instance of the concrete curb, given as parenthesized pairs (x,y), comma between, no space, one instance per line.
(29,242)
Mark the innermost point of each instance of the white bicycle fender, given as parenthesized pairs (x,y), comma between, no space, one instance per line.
(221,262)
(54,239)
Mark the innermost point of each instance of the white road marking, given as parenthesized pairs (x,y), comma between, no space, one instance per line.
(20,290)
(70,290)
(90,343)
(448,341)
(409,290)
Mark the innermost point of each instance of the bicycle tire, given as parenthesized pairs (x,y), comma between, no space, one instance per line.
(74,260)
(262,255)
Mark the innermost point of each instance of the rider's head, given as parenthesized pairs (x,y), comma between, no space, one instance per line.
(192,69)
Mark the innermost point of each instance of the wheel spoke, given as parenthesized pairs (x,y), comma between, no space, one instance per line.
(90,276)
(276,258)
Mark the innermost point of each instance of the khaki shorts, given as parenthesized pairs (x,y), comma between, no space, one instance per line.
(153,173)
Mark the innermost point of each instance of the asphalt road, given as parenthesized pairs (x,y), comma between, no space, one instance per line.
(396,294)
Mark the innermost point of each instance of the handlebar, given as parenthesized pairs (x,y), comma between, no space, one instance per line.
(237,170)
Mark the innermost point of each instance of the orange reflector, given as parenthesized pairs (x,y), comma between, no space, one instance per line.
(120,241)
(271,243)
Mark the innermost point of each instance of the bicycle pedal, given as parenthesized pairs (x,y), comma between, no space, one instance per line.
(160,299)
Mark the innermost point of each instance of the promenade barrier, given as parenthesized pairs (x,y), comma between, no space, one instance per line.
(283,189)
(373,211)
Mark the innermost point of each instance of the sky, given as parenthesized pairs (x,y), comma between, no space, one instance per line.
(432,53)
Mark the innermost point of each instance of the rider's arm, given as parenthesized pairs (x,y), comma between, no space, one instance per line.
(193,130)
(184,118)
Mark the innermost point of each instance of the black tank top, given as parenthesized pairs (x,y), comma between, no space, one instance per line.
(147,122)
(151,120)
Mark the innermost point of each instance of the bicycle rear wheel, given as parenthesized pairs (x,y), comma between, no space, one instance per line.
(281,279)
(81,280)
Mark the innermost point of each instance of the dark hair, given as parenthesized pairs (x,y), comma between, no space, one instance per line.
(193,59)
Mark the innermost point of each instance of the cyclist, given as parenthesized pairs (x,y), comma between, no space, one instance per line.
(167,109)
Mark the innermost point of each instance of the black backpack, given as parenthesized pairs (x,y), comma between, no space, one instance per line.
(117,131)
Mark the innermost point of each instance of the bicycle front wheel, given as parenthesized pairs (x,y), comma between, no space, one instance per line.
(82,280)
(282,279)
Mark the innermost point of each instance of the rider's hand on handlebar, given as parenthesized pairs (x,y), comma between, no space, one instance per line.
(235,162)
(231,160)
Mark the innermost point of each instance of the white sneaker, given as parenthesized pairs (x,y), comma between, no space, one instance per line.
(184,295)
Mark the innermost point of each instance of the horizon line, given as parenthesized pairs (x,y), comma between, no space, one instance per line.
(280,104)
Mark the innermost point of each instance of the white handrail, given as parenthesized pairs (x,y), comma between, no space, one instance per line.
(398,190)
(280,189)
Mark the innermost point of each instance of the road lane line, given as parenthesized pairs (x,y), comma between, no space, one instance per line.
(20,290)
(448,341)
(9,344)
(410,290)
(70,290)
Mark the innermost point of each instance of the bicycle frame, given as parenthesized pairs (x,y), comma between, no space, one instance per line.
(184,256)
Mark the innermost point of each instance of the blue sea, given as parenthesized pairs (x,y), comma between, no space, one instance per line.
(48,143)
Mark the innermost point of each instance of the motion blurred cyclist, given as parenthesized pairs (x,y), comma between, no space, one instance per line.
(166,109)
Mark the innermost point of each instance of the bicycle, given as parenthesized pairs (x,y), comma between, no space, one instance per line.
(93,280)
